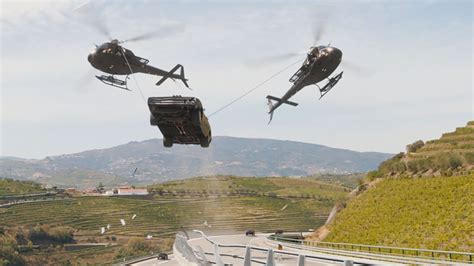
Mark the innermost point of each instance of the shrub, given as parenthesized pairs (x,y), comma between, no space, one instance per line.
(447,161)
(415,146)
(9,252)
(424,164)
(389,165)
(43,233)
(412,166)
(399,167)
(372,175)
(455,160)
(469,157)
(62,234)
(137,244)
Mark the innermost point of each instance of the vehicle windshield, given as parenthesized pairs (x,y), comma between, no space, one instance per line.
(108,48)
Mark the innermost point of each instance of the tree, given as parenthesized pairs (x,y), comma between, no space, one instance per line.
(415,146)
(100,188)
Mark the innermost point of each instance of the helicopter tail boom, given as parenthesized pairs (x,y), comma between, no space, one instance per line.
(273,98)
(279,102)
(173,76)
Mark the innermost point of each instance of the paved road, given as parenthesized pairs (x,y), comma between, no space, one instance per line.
(259,240)
(155,262)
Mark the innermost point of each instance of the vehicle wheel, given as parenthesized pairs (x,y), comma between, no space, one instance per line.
(168,143)
(204,142)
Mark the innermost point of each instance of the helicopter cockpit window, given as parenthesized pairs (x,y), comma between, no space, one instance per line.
(102,48)
(311,56)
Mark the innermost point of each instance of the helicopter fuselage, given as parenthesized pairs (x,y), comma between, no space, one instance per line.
(114,59)
(321,63)
(324,65)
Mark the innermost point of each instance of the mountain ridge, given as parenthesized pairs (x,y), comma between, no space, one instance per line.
(226,155)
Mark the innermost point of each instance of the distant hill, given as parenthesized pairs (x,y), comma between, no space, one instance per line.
(154,163)
(419,199)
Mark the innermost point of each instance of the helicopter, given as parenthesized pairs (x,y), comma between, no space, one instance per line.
(114,59)
(320,63)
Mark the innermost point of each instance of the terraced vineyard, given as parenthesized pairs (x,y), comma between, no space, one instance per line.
(214,204)
(421,199)
(164,217)
(460,141)
(428,213)
(452,154)
(270,186)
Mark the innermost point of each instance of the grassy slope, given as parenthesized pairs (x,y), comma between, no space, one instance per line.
(421,211)
(15,187)
(452,153)
(163,216)
(432,213)
(280,186)
(461,140)
(347,180)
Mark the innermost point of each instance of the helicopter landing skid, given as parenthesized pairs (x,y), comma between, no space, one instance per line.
(332,82)
(112,81)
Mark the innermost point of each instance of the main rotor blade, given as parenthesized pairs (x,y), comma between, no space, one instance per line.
(86,14)
(318,32)
(353,67)
(162,32)
(83,82)
(318,22)
(99,25)
(275,58)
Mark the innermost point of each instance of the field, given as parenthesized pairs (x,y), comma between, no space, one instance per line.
(163,217)
(346,180)
(227,204)
(10,187)
(428,212)
(269,186)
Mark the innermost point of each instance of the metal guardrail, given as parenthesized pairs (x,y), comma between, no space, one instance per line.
(181,244)
(452,256)
(270,255)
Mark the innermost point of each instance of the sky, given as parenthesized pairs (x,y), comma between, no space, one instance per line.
(407,71)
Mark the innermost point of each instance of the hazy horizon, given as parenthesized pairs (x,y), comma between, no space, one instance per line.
(49,155)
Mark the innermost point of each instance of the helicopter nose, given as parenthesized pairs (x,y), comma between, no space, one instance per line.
(90,57)
(336,53)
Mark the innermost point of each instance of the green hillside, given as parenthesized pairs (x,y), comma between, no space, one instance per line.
(229,204)
(453,153)
(430,213)
(264,186)
(419,199)
(14,187)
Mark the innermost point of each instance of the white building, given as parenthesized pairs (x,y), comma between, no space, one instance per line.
(132,191)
